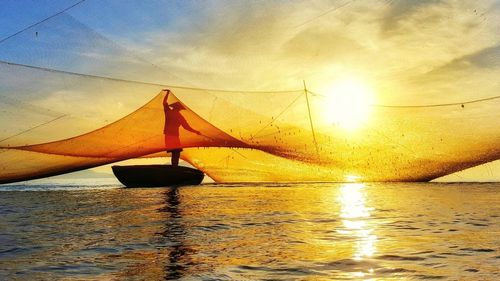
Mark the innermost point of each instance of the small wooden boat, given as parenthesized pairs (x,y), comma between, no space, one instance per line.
(157,175)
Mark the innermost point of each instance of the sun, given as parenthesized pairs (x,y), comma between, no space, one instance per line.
(347,103)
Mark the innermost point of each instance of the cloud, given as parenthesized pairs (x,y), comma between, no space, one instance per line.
(487,58)
(464,78)
(400,10)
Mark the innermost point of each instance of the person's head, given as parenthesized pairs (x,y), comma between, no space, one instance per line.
(177,106)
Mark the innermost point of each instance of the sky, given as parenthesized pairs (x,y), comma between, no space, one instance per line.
(406,52)
(221,42)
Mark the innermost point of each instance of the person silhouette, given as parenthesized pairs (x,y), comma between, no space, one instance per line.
(173,121)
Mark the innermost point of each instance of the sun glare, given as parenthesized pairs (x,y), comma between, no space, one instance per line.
(347,103)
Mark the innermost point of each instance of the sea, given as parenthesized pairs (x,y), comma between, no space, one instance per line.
(93,229)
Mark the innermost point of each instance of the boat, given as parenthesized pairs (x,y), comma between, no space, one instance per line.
(157,175)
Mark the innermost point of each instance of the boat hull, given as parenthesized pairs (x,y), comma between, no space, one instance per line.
(157,175)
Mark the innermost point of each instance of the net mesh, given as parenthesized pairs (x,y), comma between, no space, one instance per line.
(73,97)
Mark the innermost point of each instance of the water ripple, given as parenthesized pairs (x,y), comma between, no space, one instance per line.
(304,231)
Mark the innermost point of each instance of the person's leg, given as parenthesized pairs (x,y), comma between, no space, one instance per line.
(176,154)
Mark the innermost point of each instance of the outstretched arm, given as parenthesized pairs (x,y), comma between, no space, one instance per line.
(186,126)
(165,99)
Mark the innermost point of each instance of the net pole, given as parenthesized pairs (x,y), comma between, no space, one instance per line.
(310,118)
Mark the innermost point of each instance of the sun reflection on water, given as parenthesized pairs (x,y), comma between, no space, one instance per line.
(355,214)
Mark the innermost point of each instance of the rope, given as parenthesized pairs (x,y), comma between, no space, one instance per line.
(44,20)
(424,105)
(32,128)
(310,119)
(52,70)
(437,105)
(277,116)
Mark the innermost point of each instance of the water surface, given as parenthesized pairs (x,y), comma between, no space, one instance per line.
(311,231)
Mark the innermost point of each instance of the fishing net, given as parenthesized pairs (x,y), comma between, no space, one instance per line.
(73,97)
